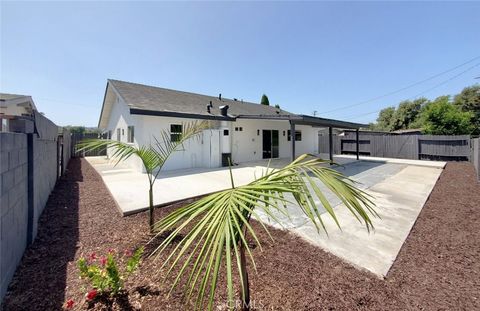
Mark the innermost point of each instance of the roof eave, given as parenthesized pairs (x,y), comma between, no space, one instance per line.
(174,114)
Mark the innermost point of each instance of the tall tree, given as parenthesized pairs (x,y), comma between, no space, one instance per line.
(385,119)
(264,100)
(469,100)
(406,113)
(441,117)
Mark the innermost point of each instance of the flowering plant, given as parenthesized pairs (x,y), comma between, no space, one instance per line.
(108,273)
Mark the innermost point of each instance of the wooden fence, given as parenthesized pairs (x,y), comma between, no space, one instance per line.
(77,137)
(423,147)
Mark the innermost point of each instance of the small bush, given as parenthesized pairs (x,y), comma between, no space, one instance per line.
(107,274)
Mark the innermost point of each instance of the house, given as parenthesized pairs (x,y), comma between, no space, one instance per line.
(16,113)
(135,113)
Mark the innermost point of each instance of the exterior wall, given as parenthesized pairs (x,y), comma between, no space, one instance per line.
(205,151)
(28,169)
(196,152)
(247,145)
(13,204)
(120,118)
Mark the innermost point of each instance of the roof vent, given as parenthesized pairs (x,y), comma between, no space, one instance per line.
(209,106)
(224,110)
(220,96)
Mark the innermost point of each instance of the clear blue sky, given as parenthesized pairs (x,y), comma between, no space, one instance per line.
(304,56)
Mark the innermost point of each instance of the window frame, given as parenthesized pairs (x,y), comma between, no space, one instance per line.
(176,133)
(298,135)
(131,134)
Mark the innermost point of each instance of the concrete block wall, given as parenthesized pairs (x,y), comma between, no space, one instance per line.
(13,204)
(44,175)
(475,158)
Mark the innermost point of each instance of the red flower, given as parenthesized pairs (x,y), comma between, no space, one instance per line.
(128,252)
(69,304)
(92,257)
(103,260)
(91,294)
(111,251)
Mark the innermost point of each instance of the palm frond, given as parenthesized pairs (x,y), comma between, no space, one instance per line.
(215,224)
(165,146)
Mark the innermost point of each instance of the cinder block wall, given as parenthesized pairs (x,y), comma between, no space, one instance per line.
(13,204)
(15,232)
(44,175)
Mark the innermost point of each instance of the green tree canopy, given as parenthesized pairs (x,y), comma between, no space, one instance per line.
(385,119)
(441,117)
(407,113)
(469,100)
(264,100)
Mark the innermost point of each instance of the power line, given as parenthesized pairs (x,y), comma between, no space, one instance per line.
(421,93)
(401,89)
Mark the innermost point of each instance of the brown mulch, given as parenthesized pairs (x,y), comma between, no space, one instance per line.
(437,268)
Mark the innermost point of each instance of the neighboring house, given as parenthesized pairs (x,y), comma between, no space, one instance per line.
(135,113)
(16,111)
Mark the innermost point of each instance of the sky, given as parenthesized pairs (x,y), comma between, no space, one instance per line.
(342,60)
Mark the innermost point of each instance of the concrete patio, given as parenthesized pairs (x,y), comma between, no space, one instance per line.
(399,187)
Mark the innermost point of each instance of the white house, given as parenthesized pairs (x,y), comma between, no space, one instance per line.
(242,131)
(15,111)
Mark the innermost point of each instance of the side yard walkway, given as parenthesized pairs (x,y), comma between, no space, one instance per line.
(437,267)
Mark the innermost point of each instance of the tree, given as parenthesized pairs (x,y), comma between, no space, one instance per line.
(76,129)
(153,157)
(469,100)
(385,119)
(406,114)
(264,100)
(440,117)
(215,227)
(277,106)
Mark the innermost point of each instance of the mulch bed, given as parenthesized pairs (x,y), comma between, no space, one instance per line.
(437,268)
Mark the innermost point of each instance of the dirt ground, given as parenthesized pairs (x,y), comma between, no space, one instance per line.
(438,267)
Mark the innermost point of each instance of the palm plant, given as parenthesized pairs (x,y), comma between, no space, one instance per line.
(216,226)
(153,157)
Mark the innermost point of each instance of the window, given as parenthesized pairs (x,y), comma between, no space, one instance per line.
(298,135)
(225,132)
(238,129)
(118,134)
(130,134)
(109,135)
(175,132)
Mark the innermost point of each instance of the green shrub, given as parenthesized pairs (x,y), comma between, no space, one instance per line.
(108,273)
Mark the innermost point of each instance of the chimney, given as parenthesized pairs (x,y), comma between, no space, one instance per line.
(224,110)
(209,106)
(220,96)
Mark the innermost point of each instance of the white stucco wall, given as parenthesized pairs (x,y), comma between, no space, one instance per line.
(120,118)
(247,145)
(205,150)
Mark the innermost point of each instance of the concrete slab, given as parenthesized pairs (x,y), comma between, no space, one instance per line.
(399,197)
(399,187)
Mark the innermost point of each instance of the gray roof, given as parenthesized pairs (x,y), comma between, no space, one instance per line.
(150,98)
(5,97)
